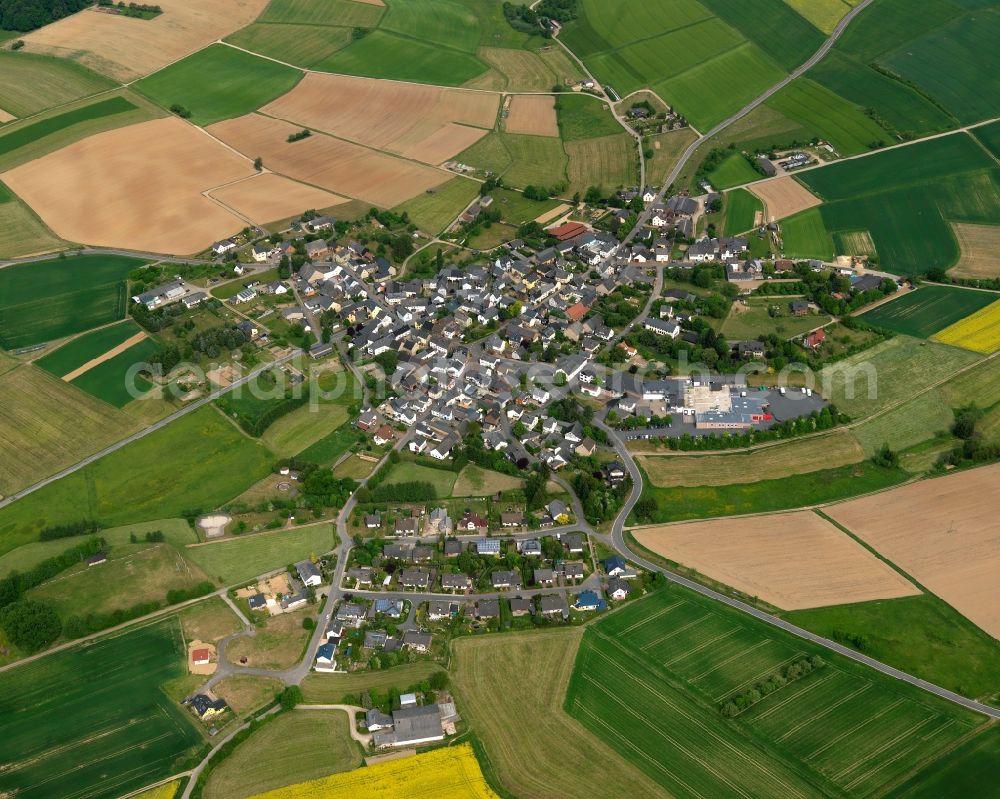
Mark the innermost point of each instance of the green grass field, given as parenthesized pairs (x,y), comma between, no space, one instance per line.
(733,171)
(327,449)
(336,688)
(805,236)
(671,146)
(309,424)
(889,374)
(240,83)
(754,319)
(443,480)
(302,45)
(930,309)
(535,161)
(80,292)
(93,721)
(517,208)
(910,424)
(608,162)
(296,747)
(34,82)
(240,558)
(87,347)
(115,380)
(433,212)
(583,117)
(345,13)
(198,462)
(650,679)
(921,635)
(844,124)
(739,212)
(800,490)
(774,26)
(966,771)
(22,232)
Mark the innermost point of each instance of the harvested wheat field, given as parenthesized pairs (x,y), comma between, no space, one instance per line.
(944,532)
(839,448)
(127,48)
(555,213)
(426,123)
(980,246)
(534,114)
(269,197)
(137,187)
(341,167)
(783,197)
(791,560)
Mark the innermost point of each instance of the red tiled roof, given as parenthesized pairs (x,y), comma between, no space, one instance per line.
(576,312)
(567,231)
(199,655)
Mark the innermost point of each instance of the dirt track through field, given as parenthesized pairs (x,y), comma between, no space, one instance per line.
(534,114)
(127,48)
(791,560)
(943,532)
(426,123)
(784,197)
(269,197)
(137,187)
(107,356)
(339,166)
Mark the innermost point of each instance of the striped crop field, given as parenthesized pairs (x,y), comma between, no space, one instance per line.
(979,332)
(652,679)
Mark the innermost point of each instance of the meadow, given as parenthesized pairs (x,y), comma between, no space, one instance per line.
(302,45)
(295,747)
(583,117)
(928,310)
(82,291)
(34,82)
(517,718)
(239,558)
(912,423)
(84,348)
(345,13)
(921,635)
(740,211)
(433,211)
(833,118)
(327,449)
(652,677)
(345,687)
(113,380)
(733,170)
(197,462)
(805,236)
(754,319)
(795,491)
(607,162)
(667,148)
(21,231)
(443,480)
(240,83)
(517,209)
(93,721)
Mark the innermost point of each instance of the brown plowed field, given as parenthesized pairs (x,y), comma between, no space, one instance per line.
(425,123)
(783,197)
(339,166)
(137,187)
(127,48)
(791,560)
(980,246)
(269,197)
(534,114)
(944,532)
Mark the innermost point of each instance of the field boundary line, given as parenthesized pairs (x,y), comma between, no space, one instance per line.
(853,730)
(824,711)
(933,757)
(106,356)
(730,659)
(650,618)
(871,755)
(758,677)
(700,646)
(672,633)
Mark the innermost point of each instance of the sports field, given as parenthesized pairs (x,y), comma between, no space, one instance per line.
(151,170)
(93,721)
(48,426)
(341,167)
(889,373)
(651,679)
(804,235)
(837,448)
(956,554)
(126,49)
(928,310)
(197,462)
(517,718)
(234,559)
(790,560)
(21,231)
(81,292)
(740,211)
(33,82)
(295,747)
(240,83)
(979,332)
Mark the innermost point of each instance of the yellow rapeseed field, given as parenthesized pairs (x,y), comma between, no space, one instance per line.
(451,773)
(979,332)
(166,791)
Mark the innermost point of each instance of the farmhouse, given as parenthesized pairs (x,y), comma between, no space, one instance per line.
(161,295)
(411,726)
